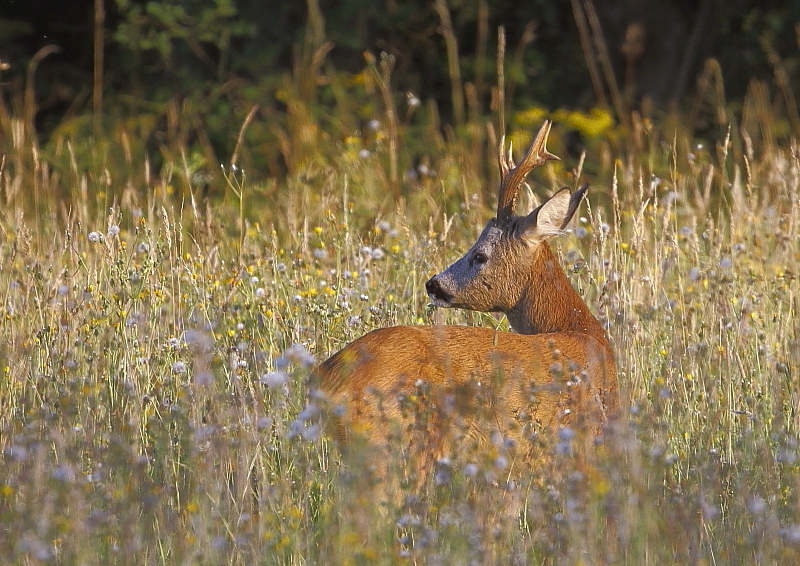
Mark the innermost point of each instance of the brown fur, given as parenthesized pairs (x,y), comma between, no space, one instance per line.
(434,390)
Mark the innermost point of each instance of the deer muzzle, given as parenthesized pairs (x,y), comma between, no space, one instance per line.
(438,296)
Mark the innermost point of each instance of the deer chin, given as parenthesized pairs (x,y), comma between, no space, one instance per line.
(437,302)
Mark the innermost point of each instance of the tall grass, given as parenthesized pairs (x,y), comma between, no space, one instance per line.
(156,345)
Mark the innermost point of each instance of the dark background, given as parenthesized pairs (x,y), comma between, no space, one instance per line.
(226,55)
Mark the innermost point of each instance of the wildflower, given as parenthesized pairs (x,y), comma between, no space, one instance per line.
(581,232)
(16,452)
(95,237)
(756,505)
(442,475)
(694,274)
(384,226)
(565,433)
(309,412)
(203,378)
(64,473)
(374,124)
(710,511)
(31,545)
(654,182)
(363,154)
(142,247)
(377,253)
(198,339)
(320,253)
(725,262)
(179,367)
(685,231)
(295,429)
(412,100)
(113,230)
(297,353)
(791,534)
(263,422)
(274,379)
(311,433)
(408,520)
(261,293)
(470,470)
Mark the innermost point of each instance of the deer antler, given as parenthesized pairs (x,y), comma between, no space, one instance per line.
(512,176)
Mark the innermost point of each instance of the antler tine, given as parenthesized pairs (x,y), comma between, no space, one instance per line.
(512,175)
(504,160)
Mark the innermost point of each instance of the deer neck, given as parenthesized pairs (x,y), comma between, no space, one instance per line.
(549,303)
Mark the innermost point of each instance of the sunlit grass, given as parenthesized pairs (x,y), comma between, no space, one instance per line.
(155,350)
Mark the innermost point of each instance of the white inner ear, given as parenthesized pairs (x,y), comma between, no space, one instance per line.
(551,216)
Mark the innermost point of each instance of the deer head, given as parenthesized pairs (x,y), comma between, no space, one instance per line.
(501,271)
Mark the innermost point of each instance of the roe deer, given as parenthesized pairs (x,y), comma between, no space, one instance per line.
(558,370)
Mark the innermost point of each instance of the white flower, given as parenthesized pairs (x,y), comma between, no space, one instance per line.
(377,253)
(179,367)
(320,253)
(113,230)
(298,354)
(261,293)
(95,237)
(274,379)
(412,100)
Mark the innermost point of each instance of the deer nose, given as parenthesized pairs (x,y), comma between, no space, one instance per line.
(435,290)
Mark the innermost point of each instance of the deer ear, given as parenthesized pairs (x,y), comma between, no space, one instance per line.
(552,216)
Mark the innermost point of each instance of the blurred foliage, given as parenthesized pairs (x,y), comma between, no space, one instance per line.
(184,75)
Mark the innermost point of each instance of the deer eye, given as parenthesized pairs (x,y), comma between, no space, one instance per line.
(480,258)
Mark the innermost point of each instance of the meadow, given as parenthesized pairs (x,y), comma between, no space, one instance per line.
(156,343)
